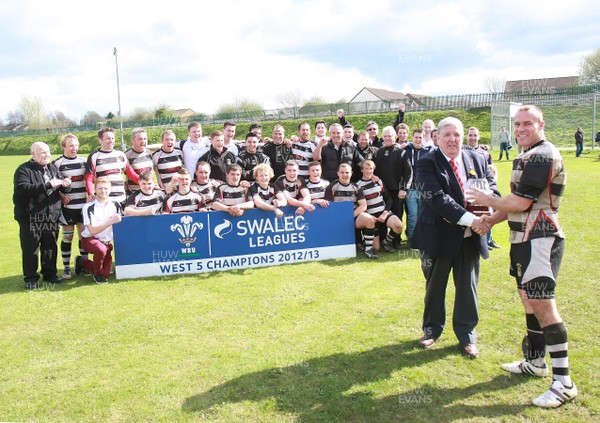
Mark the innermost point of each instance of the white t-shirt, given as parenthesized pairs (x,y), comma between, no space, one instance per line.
(96,213)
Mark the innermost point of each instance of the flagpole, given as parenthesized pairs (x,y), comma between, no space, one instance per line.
(123,146)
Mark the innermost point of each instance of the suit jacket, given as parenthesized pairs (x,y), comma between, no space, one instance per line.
(437,232)
(32,195)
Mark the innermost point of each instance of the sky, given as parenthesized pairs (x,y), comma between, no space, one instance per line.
(203,54)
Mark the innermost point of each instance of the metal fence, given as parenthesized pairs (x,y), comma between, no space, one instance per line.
(539,95)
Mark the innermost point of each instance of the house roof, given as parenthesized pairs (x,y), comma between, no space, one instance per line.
(383,94)
(527,85)
(180,112)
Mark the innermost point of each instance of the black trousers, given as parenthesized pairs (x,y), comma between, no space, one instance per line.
(38,235)
(465,272)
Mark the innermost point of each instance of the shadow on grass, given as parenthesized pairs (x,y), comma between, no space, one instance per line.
(15,283)
(329,389)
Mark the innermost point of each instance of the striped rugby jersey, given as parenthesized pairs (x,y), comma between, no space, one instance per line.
(293,188)
(340,192)
(537,174)
(207,190)
(184,203)
(229,195)
(373,192)
(139,162)
(167,164)
(266,194)
(75,170)
(141,201)
(111,165)
(317,189)
(302,153)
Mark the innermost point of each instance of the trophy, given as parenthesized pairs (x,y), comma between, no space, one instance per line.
(482,184)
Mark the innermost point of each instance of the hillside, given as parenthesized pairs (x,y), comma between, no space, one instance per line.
(561,123)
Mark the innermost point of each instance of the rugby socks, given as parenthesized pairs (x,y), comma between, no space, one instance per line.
(537,344)
(82,252)
(65,248)
(358,237)
(369,234)
(389,238)
(556,339)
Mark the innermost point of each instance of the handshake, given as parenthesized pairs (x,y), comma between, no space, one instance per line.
(482,225)
(481,198)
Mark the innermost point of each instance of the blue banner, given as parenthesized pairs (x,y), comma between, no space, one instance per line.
(187,243)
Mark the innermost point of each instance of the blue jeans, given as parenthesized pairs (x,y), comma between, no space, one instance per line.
(579,149)
(412,211)
(503,147)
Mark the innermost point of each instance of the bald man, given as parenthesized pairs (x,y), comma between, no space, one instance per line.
(37,183)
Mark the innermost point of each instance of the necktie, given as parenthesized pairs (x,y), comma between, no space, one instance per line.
(457,174)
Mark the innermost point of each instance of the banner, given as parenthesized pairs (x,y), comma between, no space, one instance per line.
(185,243)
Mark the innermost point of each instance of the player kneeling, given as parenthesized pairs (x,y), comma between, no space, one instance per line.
(379,204)
(344,190)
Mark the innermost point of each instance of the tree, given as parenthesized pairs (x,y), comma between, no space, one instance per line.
(241,109)
(16,117)
(589,69)
(163,111)
(58,119)
(33,110)
(494,84)
(141,113)
(315,101)
(290,99)
(110,116)
(91,118)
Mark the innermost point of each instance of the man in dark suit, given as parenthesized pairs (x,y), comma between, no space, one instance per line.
(448,236)
(37,209)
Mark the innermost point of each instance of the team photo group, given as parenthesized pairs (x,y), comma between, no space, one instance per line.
(428,190)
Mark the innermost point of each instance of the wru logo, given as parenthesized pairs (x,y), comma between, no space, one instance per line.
(187,228)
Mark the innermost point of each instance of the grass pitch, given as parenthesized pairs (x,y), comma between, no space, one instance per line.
(315,342)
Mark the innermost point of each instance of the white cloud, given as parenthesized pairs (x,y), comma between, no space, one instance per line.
(203,54)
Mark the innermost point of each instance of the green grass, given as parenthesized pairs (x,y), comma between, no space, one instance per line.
(316,342)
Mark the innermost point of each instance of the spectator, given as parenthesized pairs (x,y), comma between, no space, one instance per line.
(578,142)
(414,151)
(428,126)
(504,140)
